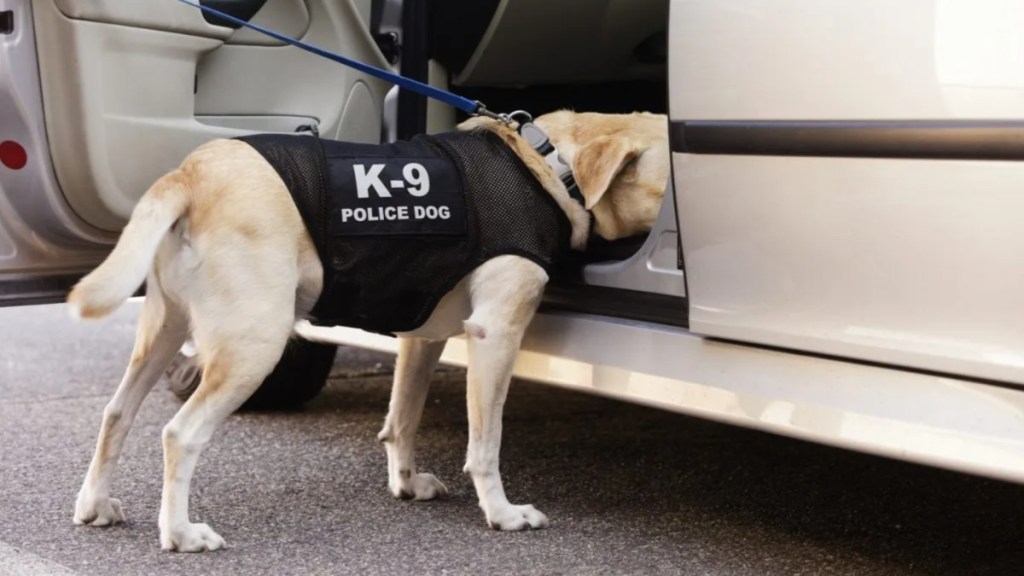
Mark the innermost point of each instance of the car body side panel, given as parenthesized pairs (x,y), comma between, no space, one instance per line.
(846,59)
(908,261)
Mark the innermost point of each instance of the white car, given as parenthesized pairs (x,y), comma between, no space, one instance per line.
(839,254)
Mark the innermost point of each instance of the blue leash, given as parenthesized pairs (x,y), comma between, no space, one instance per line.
(471,107)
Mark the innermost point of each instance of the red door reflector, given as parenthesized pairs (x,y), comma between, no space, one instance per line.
(13,155)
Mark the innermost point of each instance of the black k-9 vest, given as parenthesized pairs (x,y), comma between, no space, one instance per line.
(398,225)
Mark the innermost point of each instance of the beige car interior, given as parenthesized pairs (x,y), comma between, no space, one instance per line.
(562,47)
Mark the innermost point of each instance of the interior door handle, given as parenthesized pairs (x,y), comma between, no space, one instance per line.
(241,9)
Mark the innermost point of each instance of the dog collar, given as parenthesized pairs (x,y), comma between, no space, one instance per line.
(564,173)
(540,142)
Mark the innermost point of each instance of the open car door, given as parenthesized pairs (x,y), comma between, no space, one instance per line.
(106,96)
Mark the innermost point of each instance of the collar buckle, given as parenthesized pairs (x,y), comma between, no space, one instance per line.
(540,142)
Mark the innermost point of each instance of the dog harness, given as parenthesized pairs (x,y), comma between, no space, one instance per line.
(398,225)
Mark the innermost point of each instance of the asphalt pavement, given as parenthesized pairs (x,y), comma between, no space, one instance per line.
(628,490)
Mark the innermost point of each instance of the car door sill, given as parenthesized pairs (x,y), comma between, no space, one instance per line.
(617,303)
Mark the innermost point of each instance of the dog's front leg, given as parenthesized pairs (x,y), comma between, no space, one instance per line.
(490,370)
(417,358)
(505,292)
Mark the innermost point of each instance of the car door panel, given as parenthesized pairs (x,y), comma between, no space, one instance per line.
(285,81)
(118,113)
(837,191)
(137,98)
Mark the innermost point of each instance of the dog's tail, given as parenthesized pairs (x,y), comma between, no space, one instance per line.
(124,270)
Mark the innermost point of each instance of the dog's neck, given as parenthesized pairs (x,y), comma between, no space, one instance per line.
(525,143)
(540,142)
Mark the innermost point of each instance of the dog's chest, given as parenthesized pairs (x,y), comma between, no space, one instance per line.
(398,225)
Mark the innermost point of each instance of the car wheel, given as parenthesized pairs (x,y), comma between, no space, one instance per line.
(300,374)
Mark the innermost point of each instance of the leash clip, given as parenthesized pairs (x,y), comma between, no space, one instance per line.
(523,120)
(518,117)
(481,110)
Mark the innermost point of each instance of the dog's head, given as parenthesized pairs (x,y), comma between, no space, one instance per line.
(620,162)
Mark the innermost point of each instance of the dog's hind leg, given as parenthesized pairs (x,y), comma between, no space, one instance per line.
(240,334)
(162,329)
(505,292)
(417,358)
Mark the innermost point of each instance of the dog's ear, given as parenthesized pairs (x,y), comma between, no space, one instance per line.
(597,162)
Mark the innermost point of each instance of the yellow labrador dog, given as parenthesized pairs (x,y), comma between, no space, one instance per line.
(228,262)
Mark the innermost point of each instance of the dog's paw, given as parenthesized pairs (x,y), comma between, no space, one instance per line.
(104,511)
(515,517)
(420,486)
(191,538)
